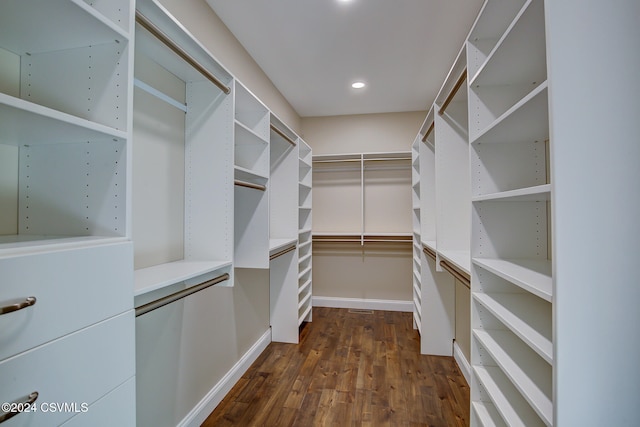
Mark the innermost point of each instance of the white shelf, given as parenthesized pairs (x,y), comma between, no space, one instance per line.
(529,373)
(530,274)
(526,315)
(519,54)
(538,193)
(247,174)
(247,136)
(527,120)
(487,414)
(304,288)
(23,122)
(303,272)
(304,315)
(24,244)
(431,244)
(24,21)
(506,398)
(163,275)
(460,259)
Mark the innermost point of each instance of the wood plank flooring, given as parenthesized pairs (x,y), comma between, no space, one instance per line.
(350,369)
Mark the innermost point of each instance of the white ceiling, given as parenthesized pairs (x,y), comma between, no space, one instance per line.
(312,50)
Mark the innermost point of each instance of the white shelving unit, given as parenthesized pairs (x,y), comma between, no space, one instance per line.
(283,232)
(512,280)
(251,160)
(305,250)
(364,180)
(65,152)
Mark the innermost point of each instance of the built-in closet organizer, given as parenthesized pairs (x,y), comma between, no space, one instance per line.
(66,311)
(442,219)
(362,205)
(183,151)
(286,307)
(305,242)
(512,291)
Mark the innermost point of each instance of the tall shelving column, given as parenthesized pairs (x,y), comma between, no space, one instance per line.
(417,245)
(252,167)
(65,226)
(183,216)
(283,232)
(436,311)
(512,347)
(305,201)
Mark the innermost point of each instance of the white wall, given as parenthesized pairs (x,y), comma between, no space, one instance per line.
(344,270)
(205,25)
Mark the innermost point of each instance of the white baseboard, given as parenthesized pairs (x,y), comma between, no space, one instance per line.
(367,304)
(202,410)
(462,362)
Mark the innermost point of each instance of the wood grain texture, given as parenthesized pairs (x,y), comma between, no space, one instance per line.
(350,369)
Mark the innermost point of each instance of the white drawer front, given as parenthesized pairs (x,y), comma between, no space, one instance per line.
(75,370)
(73,289)
(115,409)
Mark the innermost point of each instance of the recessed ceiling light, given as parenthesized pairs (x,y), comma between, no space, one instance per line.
(358,85)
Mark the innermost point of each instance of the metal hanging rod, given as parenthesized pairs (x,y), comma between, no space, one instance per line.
(166,40)
(284,135)
(249,185)
(282,252)
(143,309)
(453,92)
(426,135)
(429,253)
(462,277)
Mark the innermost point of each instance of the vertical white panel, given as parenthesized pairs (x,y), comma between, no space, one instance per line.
(283,280)
(594,98)
(438,310)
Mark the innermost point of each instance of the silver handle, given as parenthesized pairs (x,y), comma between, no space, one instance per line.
(20,406)
(17,305)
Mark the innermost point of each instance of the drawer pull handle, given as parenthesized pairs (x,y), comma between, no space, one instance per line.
(18,407)
(18,305)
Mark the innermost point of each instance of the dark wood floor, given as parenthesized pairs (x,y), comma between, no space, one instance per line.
(350,369)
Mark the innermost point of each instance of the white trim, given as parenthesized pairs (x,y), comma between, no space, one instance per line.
(369,304)
(462,361)
(203,409)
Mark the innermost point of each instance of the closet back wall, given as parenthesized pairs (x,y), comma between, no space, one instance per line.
(348,274)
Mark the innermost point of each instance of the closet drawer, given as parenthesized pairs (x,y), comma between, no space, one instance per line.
(74,288)
(75,370)
(115,409)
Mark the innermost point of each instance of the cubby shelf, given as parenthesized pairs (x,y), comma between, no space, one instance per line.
(529,373)
(530,274)
(525,315)
(508,401)
(486,414)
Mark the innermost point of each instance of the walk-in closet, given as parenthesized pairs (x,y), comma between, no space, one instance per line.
(331,213)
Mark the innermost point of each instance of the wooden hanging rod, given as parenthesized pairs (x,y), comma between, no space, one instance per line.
(143,309)
(282,252)
(284,135)
(426,135)
(249,185)
(429,252)
(166,40)
(453,92)
(461,276)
